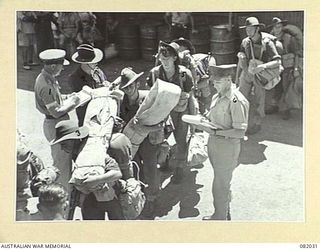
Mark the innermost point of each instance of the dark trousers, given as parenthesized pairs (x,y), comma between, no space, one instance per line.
(95,210)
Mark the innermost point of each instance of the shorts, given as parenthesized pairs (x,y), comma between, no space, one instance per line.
(25,40)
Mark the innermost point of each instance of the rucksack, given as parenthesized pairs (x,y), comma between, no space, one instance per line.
(131,197)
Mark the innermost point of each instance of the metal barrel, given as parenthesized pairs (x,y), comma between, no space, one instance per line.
(163,33)
(128,38)
(148,41)
(200,40)
(223,44)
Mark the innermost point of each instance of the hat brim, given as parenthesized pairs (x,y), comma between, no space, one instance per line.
(162,43)
(98,57)
(260,25)
(20,162)
(83,132)
(186,43)
(131,81)
(284,22)
(66,62)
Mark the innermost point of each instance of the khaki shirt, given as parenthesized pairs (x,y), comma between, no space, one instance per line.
(230,110)
(264,50)
(47,92)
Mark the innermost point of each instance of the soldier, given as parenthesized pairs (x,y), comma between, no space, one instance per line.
(229,113)
(290,62)
(257,54)
(53,203)
(87,74)
(180,24)
(171,71)
(72,139)
(49,102)
(148,150)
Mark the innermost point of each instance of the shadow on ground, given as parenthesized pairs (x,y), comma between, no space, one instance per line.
(186,194)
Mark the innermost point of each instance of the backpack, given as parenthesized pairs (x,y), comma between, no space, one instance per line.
(131,197)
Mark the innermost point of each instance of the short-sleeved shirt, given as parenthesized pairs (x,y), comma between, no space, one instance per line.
(266,45)
(46,91)
(181,77)
(230,110)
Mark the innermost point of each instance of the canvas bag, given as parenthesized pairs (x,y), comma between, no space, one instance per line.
(131,197)
(197,153)
(267,78)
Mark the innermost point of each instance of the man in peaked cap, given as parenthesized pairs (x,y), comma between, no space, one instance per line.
(229,112)
(49,102)
(264,49)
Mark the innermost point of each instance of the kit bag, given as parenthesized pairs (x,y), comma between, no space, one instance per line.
(197,153)
(267,78)
(131,197)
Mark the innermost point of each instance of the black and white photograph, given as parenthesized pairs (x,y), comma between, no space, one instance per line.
(163,116)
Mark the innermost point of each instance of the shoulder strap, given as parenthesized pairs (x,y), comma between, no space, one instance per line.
(251,48)
(181,76)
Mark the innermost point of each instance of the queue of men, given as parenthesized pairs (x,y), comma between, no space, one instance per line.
(96,151)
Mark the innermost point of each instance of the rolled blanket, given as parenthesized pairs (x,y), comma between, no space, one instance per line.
(162,98)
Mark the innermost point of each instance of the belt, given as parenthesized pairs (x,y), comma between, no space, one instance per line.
(49,117)
(179,25)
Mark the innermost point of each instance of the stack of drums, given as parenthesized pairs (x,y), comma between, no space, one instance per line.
(164,33)
(223,44)
(200,40)
(148,41)
(128,37)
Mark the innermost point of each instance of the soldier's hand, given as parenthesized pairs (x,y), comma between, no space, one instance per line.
(75,99)
(296,73)
(91,182)
(258,69)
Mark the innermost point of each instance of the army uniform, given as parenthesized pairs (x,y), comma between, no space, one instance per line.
(47,92)
(228,111)
(265,51)
(290,48)
(182,78)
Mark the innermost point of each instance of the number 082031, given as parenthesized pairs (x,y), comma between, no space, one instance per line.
(308,245)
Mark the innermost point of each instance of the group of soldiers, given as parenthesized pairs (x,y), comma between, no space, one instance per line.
(108,135)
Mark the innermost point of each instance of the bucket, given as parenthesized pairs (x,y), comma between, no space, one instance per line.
(128,38)
(148,41)
(223,44)
(200,40)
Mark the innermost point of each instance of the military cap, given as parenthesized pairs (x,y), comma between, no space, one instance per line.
(252,21)
(185,43)
(53,56)
(222,71)
(277,20)
(128,76)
